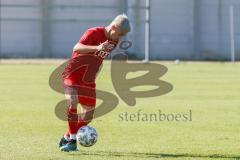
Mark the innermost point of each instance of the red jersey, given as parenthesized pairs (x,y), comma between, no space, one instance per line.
(83,68)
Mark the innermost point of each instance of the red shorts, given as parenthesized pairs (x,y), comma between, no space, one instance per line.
(83,94)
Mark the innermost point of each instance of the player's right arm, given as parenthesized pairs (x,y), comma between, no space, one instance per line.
(82,48)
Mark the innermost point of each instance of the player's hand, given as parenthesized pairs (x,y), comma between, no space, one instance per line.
(99,48)
(107,46)
(102,46)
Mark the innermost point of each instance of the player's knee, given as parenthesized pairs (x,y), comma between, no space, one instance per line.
(72,99)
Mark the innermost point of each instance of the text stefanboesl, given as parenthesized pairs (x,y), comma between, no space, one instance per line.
(158,116)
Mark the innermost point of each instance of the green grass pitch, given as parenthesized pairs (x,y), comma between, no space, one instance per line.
(30,129)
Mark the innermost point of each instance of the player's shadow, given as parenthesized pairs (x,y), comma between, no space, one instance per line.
(154,155)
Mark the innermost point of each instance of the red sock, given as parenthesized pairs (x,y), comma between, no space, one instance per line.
(67,133)
(72,121)
(81,123)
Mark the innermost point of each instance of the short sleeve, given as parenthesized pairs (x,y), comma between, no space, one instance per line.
(88,37)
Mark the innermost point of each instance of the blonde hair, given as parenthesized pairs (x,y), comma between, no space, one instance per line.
(122,22)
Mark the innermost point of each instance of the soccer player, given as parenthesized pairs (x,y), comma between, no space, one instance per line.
(80,73)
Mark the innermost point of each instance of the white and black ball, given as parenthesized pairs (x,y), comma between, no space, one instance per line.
(87,136)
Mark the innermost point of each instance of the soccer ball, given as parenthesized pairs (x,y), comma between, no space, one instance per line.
(87,136)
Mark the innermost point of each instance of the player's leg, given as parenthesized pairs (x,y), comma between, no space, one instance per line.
(69,143)
(86,115)
(88,103)
(87,98)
